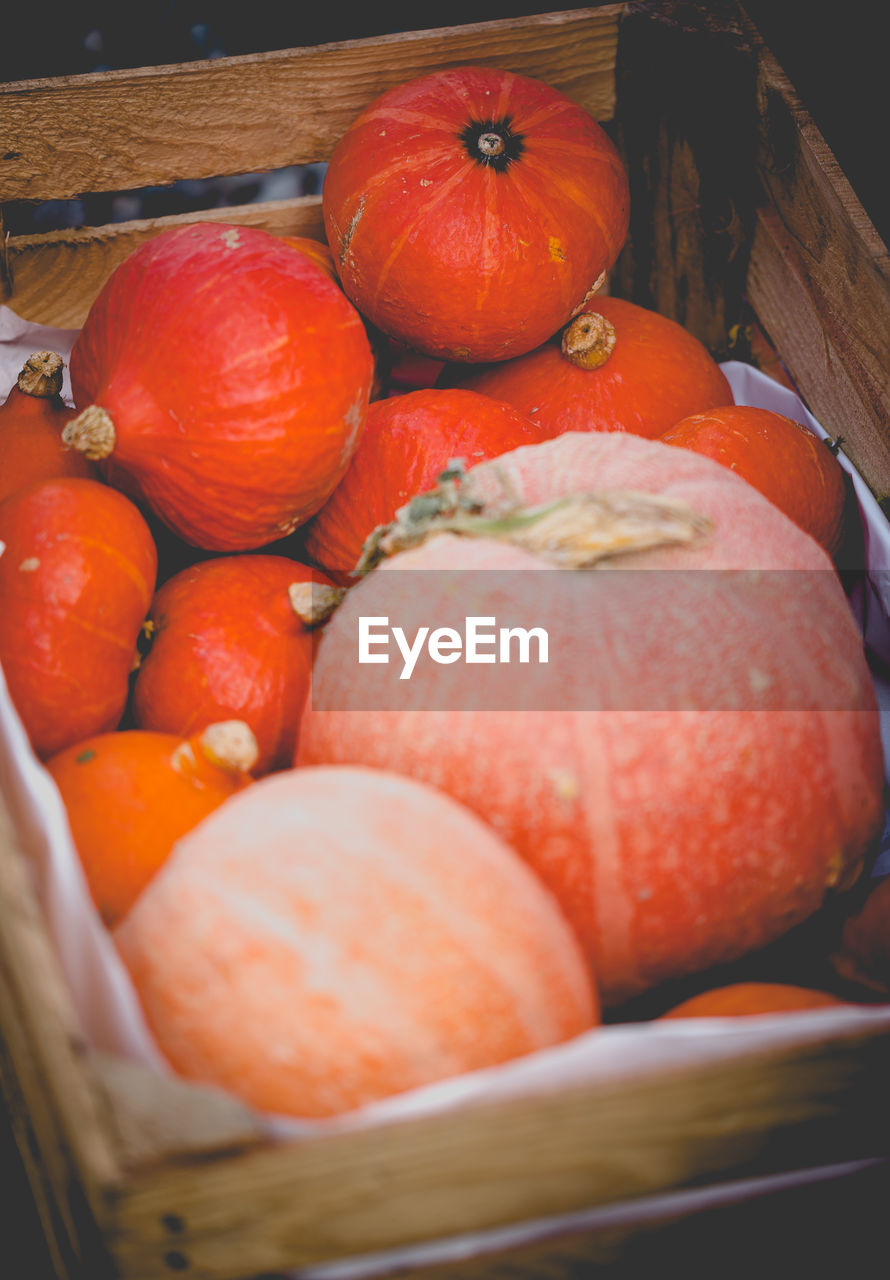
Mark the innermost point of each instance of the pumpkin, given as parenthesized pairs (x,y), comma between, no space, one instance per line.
(31,421)
(228,643)
(226,379)
(704,763)
(786,461)
(744,999)
(408,441)
(317,250)
(617,366)
(130,795)
(330,937)
(862,955)
(470,211)
(77,572)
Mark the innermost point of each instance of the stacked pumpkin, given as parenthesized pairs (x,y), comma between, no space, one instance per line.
(363,900)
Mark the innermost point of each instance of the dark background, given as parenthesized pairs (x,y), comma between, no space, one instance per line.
(834,55)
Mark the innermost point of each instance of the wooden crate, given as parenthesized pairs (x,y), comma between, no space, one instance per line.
(739,215)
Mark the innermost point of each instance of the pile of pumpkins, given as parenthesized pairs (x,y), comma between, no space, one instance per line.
(321,904)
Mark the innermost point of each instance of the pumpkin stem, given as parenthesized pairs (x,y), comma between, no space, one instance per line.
(228,745)
(41,375)
(589,340)
(92,433)
(574,532)
(314,602)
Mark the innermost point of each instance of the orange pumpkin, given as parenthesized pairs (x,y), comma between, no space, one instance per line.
(130,795)
(330,937)
(744,999)
(77,574)
(704,763)
(31,422)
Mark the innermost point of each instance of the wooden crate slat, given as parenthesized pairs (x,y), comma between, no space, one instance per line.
(819,279)
(352,1193)
(126,129)
(54,278)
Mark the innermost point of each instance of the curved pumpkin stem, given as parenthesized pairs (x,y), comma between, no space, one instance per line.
(589,340)
(92,433)
(228,746)
(41,375)
(314,602)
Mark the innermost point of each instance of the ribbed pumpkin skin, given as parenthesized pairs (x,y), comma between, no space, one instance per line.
(446,253)
(785,461)
(76,580)
(657,373)
(228,645)
(674,839)
(408,442)
(333,936)
(237,376)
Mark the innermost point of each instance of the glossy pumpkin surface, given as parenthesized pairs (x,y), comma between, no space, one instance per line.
(226,643)
(471,210)
(409,440)
(226,380)
(781,458)
(643,373)
(76,580)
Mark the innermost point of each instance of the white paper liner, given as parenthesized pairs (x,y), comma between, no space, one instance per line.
(109,1012)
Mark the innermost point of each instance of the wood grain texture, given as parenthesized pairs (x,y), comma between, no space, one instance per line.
(351,1193)
(55,277)
(819,279)
(56,1116)
(118,130)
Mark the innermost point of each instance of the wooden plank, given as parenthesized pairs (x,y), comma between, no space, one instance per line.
(56,1116)
(819,279)
(352,1193)
(264,111)
(54,278)
(685,121)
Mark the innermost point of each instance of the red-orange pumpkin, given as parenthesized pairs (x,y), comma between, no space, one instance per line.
(471,210)
(226,378)
(228,644)
(745,999)
(408,442)
(616,367)
(783,459)
(705,763)
(77,572)
(333,936)
(31,422)
(130,795)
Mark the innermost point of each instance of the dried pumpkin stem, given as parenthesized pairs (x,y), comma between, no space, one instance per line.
(230,745)
(41,375)
(92,433)
(314,602)
(589,340)
(574,532)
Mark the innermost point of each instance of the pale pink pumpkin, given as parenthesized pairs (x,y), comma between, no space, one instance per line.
(345,935)
(733,774)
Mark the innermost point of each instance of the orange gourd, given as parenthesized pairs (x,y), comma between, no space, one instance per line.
(703,762)
(129,796)
(744,999)
(616,366)
(31,421)
(330,937)
(783,459)
(77,572)
(230,640)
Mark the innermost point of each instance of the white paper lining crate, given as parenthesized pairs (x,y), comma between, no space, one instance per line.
(736,202)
